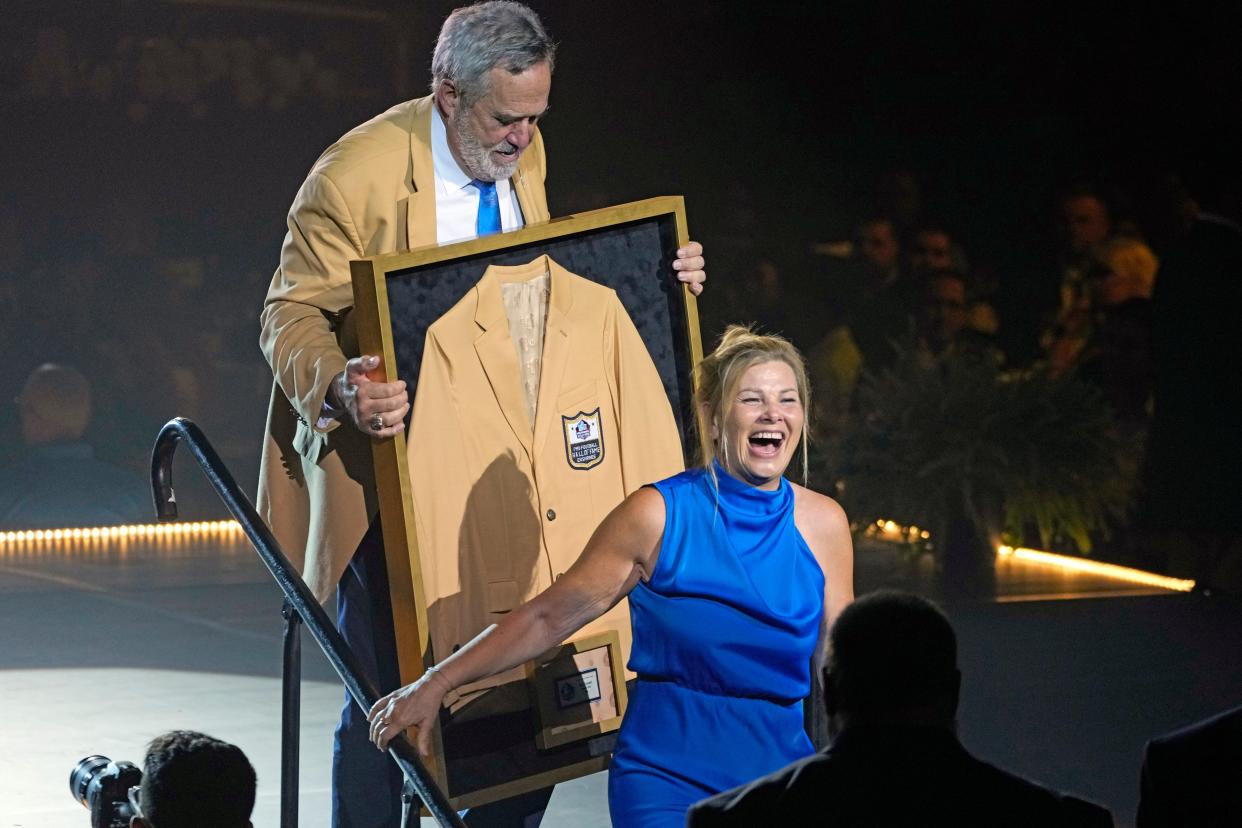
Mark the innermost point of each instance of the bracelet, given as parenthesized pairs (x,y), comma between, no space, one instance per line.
(430,671)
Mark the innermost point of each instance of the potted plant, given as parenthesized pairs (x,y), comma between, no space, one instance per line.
(970,453)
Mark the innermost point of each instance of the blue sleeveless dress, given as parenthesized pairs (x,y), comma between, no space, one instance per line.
(724,633)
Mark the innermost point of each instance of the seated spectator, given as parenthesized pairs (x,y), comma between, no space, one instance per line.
(878,298)
(1190,777)
(1087,222)
(191,780)
(1085,225)
(891,690)
(948,319)
(57,481)
(899,195)
(835,365)
(935,249)
(1117,355)
(772,296)
(768,298)
(856,309)
(942,313)
(879,249)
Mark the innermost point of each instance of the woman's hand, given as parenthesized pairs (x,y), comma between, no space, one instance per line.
(623,548)
(415,705)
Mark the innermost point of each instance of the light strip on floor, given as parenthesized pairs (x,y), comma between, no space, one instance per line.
(1121,573)
(181,529)
(888,530)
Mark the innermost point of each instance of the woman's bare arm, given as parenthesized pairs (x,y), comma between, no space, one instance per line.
(826,530)
(622,550)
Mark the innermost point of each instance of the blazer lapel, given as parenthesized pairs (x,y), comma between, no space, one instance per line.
(555,353)
(532,198)
(498,357)
(420,212)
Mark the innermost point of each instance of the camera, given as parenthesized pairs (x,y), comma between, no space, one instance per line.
(105,788)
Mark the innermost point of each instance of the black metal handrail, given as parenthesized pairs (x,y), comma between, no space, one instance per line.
(297,596)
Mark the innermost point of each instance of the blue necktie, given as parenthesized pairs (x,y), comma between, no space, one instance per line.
(489,208)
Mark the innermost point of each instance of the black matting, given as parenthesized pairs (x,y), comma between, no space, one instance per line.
(634,259)
(491,741)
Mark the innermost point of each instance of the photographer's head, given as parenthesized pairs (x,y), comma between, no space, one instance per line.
(191,780)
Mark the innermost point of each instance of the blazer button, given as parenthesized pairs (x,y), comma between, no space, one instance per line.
(551,514)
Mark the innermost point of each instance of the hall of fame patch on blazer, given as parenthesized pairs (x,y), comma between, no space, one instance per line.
(584,440)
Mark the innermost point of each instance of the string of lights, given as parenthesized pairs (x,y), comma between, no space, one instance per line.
(882,529)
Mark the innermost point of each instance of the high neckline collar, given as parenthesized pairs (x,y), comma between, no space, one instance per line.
(743,495)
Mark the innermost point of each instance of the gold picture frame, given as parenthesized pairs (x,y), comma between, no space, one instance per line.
(500,743)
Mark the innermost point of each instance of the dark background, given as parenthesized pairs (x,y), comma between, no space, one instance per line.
(150,150)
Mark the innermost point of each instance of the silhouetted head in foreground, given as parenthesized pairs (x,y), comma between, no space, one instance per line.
(191,780)
(893,661)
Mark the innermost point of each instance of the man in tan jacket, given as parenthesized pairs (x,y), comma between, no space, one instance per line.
(424,172)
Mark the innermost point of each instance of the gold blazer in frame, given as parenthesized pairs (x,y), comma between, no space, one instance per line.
(503,506)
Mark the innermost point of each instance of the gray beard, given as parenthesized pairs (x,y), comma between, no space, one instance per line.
(478,158)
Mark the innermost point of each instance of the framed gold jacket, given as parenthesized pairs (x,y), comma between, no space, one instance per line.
(550,369)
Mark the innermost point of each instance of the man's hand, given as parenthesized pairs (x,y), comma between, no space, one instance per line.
(376,408)
(689,267)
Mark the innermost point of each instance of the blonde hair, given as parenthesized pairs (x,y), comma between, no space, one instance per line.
(718,375)
(1133,261)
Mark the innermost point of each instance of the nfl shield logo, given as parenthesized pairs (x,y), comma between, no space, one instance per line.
(584,440)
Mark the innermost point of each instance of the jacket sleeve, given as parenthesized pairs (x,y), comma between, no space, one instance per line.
(1153,807)
(311,286)
(748,805)
(651,447)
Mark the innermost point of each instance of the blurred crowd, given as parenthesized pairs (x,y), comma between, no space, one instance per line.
(907,279)
(1133,296)
(1090,307)
(152,321)
(147,272)
(195,72)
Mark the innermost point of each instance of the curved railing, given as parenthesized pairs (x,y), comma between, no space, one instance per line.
(301,605)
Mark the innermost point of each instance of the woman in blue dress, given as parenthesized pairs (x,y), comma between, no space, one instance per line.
(733,575)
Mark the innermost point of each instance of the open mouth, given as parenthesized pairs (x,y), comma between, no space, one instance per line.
(766,443)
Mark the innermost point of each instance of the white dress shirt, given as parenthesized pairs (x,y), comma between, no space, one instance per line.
(457,199)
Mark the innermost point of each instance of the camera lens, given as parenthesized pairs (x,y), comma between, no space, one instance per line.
(103,787)
(81,776)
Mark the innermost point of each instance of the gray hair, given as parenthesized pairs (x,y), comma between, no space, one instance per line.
(476,39)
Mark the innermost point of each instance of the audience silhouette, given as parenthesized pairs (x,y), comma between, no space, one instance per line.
(891,688)
(1190,777)
(57,481)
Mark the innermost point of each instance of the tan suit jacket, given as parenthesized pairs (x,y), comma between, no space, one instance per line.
(371,192)
(504,506)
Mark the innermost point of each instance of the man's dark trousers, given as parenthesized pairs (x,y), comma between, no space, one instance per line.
(366,783)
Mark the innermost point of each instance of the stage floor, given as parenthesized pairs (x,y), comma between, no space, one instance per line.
(105,644)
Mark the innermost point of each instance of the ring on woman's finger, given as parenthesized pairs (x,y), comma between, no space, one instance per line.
(377,422)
